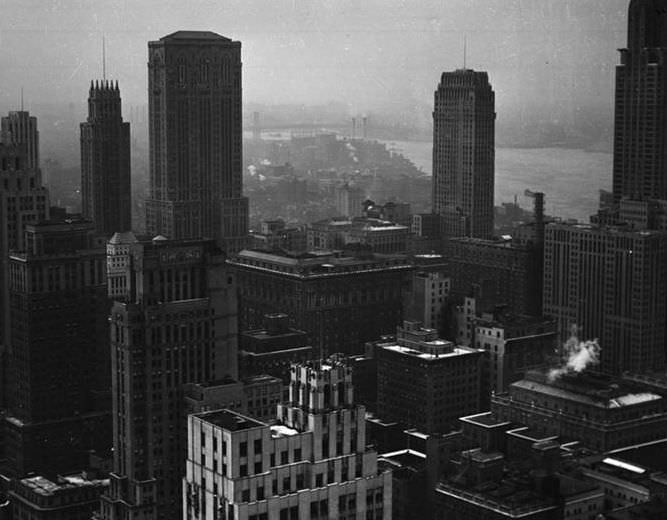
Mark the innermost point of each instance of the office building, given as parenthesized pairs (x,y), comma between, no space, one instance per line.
(58,374)
(611,283)
(506,472)
(350,201)
(273,349)
(312,464)
(599,411)
(105,161)
(640,129)
(73,497)
(463,153)
(176,325)
(340,299)
(514,344)
(425,382)
(23,200)
(426,299)
(19,129)
(194,103)
(375,234)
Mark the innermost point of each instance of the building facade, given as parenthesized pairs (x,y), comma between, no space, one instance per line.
(194,91)
(340,300)
(105,161)
(640,128)
(611,283)
(58,375)
(23,200)
(463,153)
(425,382)
(176,325)
(312,464)
(19,128)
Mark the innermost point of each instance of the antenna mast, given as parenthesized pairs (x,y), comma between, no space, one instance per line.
(104,59)
(21,99)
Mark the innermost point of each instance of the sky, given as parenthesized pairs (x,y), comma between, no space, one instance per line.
(542,55)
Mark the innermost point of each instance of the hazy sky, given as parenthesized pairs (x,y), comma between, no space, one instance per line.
(368,53)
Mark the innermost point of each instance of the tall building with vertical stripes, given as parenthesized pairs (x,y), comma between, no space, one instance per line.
(105,161)
(20,129)
(640,133)
(195,131)
(463,153)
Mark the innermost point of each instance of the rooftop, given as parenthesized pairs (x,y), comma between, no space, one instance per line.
(229,420)
(429,356)
(194,35)
(45,487)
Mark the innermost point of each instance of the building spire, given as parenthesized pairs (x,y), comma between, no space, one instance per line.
(21,99)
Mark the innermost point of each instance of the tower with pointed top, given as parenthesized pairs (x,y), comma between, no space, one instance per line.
(105,161)
(463,153)
(640,128)
(194,90)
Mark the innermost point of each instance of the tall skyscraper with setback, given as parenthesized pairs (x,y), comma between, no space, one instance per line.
(194,89)
(105,161)
(173,323)
(640,139)
(463,153)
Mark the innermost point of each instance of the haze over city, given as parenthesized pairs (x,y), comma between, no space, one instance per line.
(549,60)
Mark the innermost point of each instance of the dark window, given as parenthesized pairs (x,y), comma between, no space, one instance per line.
(284,457)
(243,448)
(260,493)
(245,495)
(243,470)
(258,445)
(258,467)
(297,454)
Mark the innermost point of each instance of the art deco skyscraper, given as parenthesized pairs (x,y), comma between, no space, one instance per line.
(174,322)
(105,161)
(194,89)
(640,140)
(20,129)
(463,153)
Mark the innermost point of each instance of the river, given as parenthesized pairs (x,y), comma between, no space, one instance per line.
(570,178)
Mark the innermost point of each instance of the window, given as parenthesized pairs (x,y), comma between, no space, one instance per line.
(243,470)
(245,495)
(258,446)
(260,493)
(243,448)
(284,457)
(272,460)
(297,454)
(319,480)
(258,467)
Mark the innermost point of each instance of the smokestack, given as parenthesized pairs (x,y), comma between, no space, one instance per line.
(365,121)
(354,127)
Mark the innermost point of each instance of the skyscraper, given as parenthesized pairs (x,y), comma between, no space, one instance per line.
(175,324)
(23,200)
(58,370)
(105,161)
(611,283)
(640,137)
(463,153)
(313,463)
(20,129)
(194,89)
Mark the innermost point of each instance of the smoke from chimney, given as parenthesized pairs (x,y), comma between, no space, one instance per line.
(577,355)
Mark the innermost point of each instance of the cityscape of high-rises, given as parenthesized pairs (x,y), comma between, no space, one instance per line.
(379,362)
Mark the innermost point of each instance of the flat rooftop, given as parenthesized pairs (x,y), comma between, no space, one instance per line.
(486,419)
(230,420)
(414,352)
(45,487)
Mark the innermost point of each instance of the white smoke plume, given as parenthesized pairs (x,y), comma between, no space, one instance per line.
(577,355)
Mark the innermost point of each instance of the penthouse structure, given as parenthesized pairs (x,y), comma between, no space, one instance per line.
(175,325)
(311,464)
(341,300)
(612,283)
(380,236)
(425,382)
